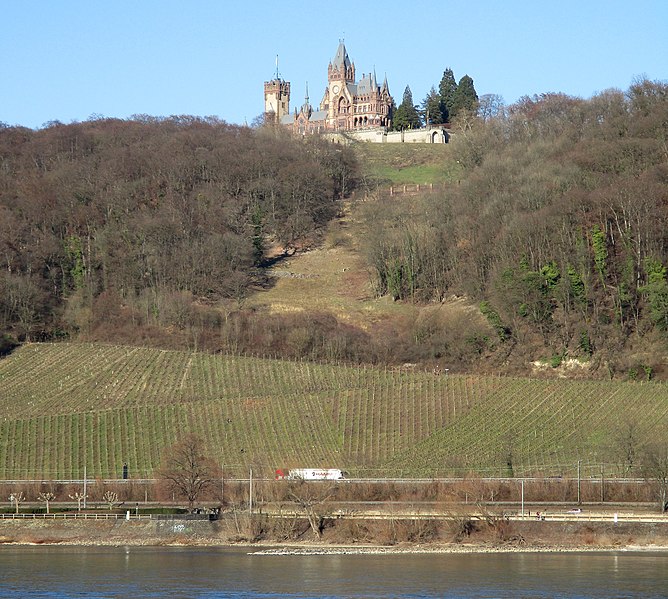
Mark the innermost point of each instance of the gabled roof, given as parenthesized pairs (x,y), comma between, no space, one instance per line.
(367,85)
(318,115)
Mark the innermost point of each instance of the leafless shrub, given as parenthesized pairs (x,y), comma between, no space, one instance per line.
(111,499)
(286,527)
(243,527)
(461,527)
(419,530)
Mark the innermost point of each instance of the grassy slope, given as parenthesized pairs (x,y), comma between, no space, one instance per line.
(334,277)
(65,403)
(408,163)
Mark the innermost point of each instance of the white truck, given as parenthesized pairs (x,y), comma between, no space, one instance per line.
(310,474)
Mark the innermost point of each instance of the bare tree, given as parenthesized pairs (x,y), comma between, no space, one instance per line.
(17,499)
(491,106)
(78,496)
(187,470)
(111,499)
(47,498)
(655,471)
(628,446)
(310,497)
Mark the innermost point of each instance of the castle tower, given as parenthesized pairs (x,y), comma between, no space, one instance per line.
(276,97)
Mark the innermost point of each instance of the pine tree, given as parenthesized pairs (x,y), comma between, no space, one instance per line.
(433,108)
(446,89)
(406,116)
(465,97)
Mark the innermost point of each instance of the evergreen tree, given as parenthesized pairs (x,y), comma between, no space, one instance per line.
(465,97)
(406,116)
(433,108)
(446,89)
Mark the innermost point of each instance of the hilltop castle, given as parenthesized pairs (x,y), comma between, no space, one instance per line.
(345,106)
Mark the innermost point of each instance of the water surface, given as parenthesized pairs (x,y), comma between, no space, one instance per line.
(134,572)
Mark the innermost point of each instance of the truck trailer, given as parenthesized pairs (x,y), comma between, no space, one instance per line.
(310,474)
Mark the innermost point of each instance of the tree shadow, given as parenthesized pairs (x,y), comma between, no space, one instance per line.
(7,345)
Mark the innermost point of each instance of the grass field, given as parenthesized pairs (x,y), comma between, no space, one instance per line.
(66,405)
(408,163)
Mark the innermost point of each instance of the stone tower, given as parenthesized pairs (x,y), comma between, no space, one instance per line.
(276,97)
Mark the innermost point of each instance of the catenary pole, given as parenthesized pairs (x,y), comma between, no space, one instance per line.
(250,492)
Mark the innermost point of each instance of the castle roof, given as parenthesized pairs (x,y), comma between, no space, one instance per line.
(318,115)
(385,86)
(367,85)
(341,60)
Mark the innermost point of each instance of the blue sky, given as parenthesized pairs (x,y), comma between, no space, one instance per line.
(70,59)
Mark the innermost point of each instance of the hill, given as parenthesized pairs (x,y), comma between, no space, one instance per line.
(541,240)
(66,405)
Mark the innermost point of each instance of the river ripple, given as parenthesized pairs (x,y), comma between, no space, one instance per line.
(138,572)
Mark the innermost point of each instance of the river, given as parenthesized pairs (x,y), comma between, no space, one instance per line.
(137,572)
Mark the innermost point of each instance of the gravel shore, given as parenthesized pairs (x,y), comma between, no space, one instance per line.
(425,549)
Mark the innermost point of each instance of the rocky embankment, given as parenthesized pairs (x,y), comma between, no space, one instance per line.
(339,537)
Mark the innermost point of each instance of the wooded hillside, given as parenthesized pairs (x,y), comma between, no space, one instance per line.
(550,233)
(558,229)
(149,221)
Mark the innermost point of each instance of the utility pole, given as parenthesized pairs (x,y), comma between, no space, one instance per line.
(250,493)
(85,493)
(522,498)
(579,481)
(85,461)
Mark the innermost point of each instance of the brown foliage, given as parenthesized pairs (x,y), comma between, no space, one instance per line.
(159,214)
(563,204)
(186,470)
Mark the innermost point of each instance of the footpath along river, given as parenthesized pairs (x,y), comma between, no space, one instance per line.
(138,572)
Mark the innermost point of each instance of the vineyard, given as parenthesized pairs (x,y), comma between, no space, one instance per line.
(64,407)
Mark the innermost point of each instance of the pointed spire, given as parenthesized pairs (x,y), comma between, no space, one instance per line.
(341,59)
(306,108)
(385,87)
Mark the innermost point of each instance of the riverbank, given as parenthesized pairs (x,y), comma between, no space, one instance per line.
(340,537)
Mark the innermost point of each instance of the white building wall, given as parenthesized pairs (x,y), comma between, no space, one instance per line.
(420,136)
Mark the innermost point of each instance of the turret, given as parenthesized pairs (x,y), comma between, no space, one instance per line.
(341,68)
(277,96)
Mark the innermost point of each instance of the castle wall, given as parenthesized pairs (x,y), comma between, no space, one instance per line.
(421,136)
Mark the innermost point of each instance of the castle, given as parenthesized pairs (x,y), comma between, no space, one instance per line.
(346,105)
